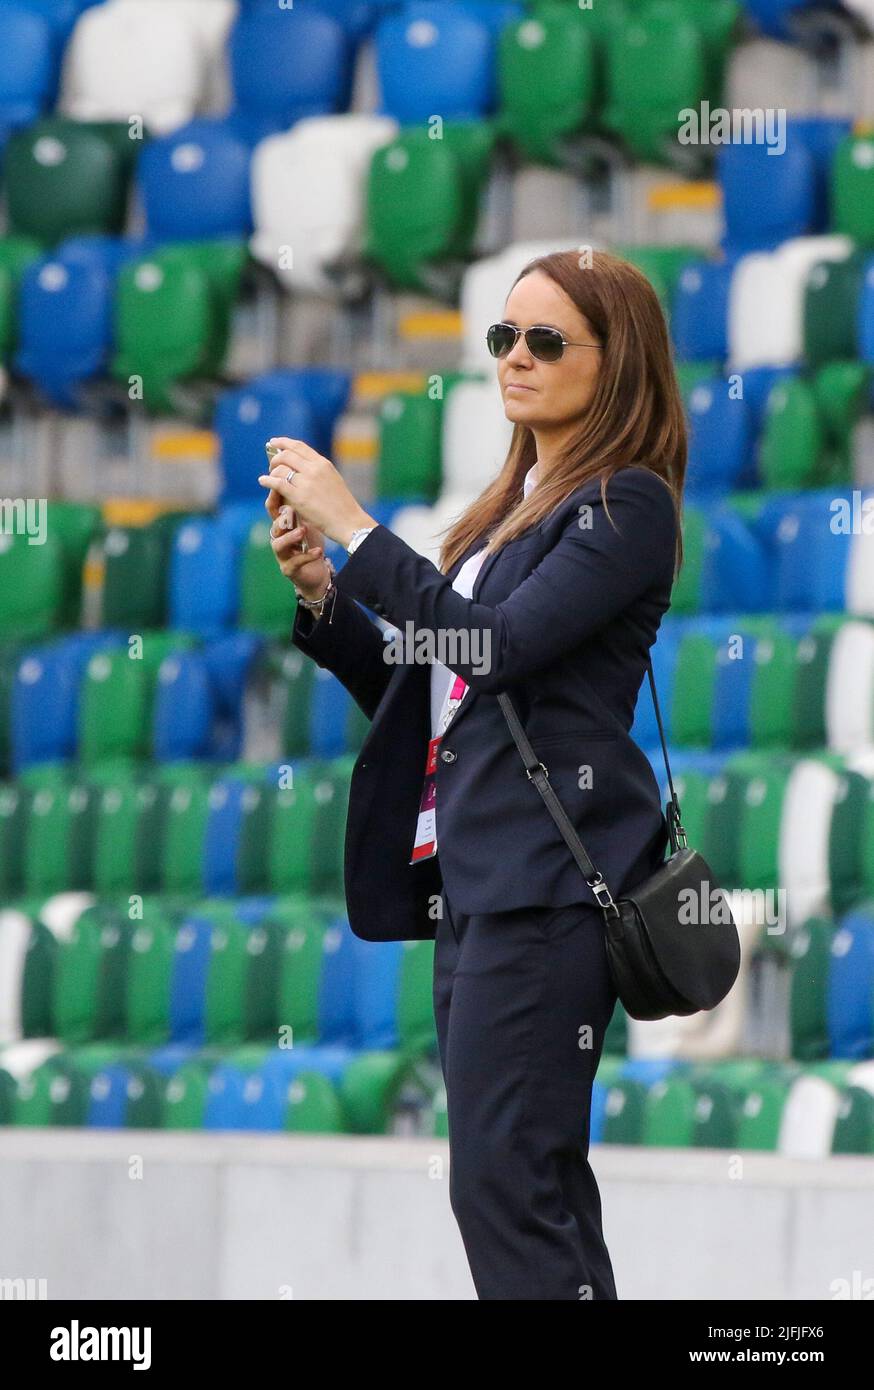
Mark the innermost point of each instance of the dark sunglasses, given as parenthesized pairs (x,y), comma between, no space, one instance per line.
(546,344)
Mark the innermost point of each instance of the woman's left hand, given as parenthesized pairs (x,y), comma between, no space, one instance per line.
(317,493)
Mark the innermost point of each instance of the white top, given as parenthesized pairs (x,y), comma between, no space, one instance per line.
(441,676)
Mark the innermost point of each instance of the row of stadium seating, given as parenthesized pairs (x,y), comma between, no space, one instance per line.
(62,178)
(171,1020)
(760,552)
(764,818)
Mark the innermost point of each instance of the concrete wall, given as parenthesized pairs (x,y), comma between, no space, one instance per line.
(127,1214)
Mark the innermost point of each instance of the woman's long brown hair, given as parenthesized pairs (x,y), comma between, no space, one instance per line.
(635,416)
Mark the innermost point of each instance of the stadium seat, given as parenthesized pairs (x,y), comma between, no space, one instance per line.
(435,58)
(700,311)
(194,183)
(129,57)
(423,203)
(831,298)
(285,65)
(546,83)
(656,67)
(65,315)
(308,197)
(62,178)
(27,67)
(852,185)
(767,197)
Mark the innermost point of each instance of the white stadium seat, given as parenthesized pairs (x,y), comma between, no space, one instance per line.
(849,700)
(766,300)
(308,195)
(135,58)
(476,435)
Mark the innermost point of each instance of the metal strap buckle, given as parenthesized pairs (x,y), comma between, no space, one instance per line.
(598,886)
(529,773)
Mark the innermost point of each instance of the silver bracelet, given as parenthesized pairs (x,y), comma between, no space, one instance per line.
(319,603)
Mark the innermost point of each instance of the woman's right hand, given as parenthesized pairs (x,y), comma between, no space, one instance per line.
(308,570)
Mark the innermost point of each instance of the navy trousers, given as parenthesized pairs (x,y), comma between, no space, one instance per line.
(522,1000)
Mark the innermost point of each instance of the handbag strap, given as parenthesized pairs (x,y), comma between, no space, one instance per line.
(539,775)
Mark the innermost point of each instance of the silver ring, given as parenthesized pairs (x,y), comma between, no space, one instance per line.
(289,475)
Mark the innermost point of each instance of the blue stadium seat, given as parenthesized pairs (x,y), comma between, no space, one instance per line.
(720,438)
(188,980)
(767,198)
(435,58)
(231,800)
(204,578)
(60,14)
(377,982)
(45,698)
(329,718)
(731,696)
(245,418)
(663,655)
(850,999)
(225,1107)
(286,64)
(820,136)
(736,573)
(194,183)
(699,315)
(774,16)
(357,16)
(298,402)
(809,559)
(65,327)
(108,1097)
(184,710)
(337,1020)
(27,66)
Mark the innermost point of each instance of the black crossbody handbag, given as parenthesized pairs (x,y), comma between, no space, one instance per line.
(660,964)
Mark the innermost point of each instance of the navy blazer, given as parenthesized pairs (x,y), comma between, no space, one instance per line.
(566,613)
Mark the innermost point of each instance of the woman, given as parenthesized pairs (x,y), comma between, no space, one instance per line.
(552,584)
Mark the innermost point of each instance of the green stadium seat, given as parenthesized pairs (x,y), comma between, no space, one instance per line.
(172,315)
(267,599)
(624,1112)
(32,579)
(686,594)
(65,178)
(423,201)
(369,1090)
(135,566)
(180,850)
(184,1096)
(313,1105)
(854,1126)
(831,298)
(409,465)
(852,189)
(117,695)
(59,839)
(810,961)
(129,820)
(16,254)
(656,67)
(546,82)
(90,975)
(300,971)
(149,977)
(793,440)
(841,391)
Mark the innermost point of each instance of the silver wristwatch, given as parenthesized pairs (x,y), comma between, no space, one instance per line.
(357,537)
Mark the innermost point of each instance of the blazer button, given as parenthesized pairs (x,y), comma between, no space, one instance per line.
(447,755)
